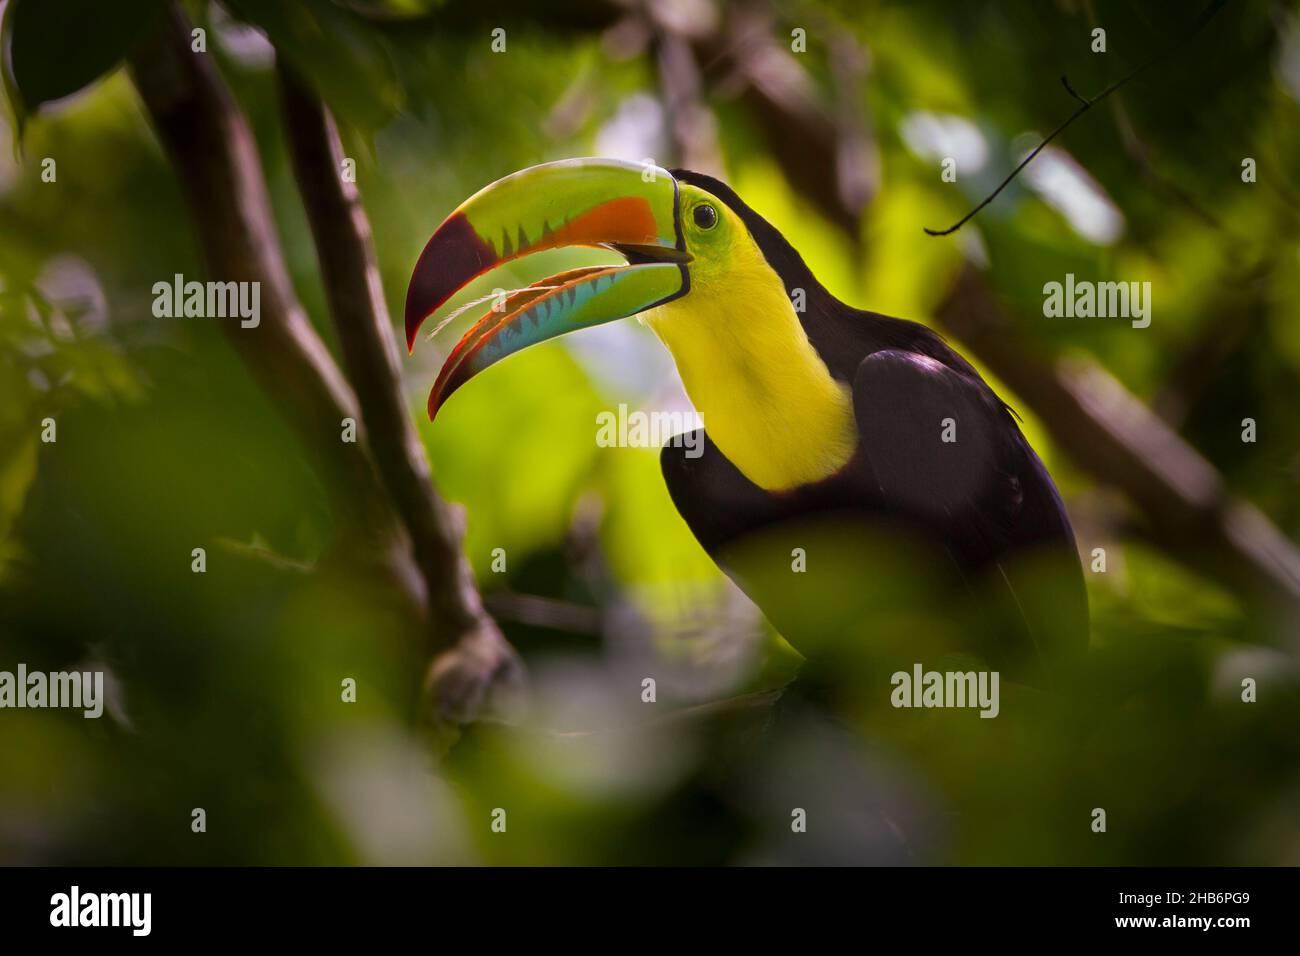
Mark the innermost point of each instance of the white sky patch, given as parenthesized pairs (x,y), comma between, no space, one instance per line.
(244,44)
(941,135)
(1066,186)
(635,132)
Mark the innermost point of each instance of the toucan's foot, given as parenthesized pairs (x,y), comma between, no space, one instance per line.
(480,679)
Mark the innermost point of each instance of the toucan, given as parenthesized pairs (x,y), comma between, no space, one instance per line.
(816,415)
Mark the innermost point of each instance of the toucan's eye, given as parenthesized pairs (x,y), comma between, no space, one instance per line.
(706,217)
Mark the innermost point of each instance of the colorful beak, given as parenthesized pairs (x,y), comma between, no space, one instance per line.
(628,207)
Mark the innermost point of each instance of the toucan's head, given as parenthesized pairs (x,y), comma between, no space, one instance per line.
(677,238)
(713,278)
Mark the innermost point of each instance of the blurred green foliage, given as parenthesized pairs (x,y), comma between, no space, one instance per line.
(227,683)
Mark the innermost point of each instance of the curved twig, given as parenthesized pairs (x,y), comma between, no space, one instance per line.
(1085,104)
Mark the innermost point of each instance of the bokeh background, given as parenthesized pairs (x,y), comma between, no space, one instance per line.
(831,119)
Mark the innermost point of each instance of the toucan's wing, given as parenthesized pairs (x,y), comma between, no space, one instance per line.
(938,446)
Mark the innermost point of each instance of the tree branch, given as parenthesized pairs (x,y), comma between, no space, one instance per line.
(800,131)
(692,128)
(476,656)
(1121,442)
(350,275)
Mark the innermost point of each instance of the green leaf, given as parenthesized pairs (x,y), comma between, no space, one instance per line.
(53,48)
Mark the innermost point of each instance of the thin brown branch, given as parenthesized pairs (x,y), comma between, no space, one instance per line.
(857,157)
(1084,106)
(353,291)
(551,613)
(692,126)
(755,705)
(476,659)
(799,130)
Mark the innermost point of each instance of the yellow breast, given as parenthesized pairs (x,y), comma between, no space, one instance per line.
(767,399)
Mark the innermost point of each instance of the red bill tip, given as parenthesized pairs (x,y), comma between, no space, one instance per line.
(452,257)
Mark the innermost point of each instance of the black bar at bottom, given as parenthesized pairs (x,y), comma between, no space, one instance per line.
(555,905)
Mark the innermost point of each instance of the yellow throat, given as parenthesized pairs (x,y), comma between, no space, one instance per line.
(767,399)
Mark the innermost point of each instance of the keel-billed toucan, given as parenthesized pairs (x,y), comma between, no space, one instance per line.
(823,413)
